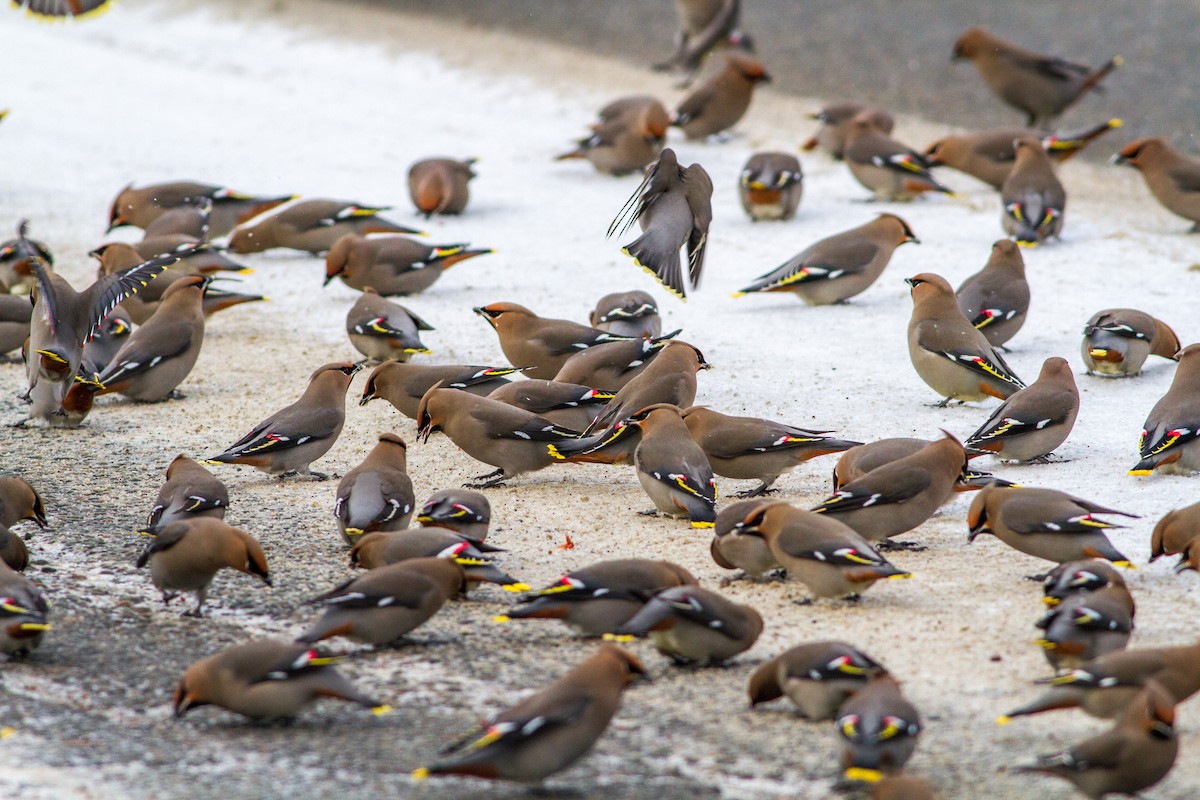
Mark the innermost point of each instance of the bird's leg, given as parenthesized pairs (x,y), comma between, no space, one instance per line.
(853,597)
(318,476)
(911,547)
(175,394)
(728,579)
(943,404)
(652,512)
(804,601)
(758,491)
(488,481)
(1039,578)
(19,423)
(198,611)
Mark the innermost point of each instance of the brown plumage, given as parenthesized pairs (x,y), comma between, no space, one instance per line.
(140,207)
(392,265)
(1033,199)
(463,511)
(24,614)
(383,330)
(377,494)
(877,729)
(567,404)
(1036,420)
(379,549)
(889,169)
(312,226)
(20,501)
(1086,626)
(1171,176)
(723,99)
(691,625)
(996,299)
(628,136)
(611,365)
(539,345)
(633,313)
(734,548)
(189,492)
(771,186)
(403,385)
(835,122)
(439,185)
(185,555)
(1170,440)
(818,677)
(704,27)
(1117,342)
(13,551)
(1175,531)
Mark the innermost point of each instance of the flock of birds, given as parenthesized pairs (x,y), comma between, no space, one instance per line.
(617,390)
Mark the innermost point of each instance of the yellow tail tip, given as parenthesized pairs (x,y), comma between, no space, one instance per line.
(618,637)
(1125,564)
(736,295)
(1140,473)
(863,774)
(379,711)
(210,462)
(1045,644)
(354,531)
(245,271)
(517,587)
(1050,601)
(501,618)
(7,732)
(903,576)
(1118,61)
(1116,122)
(419,774)
(1003,719)
(36,626)
(700,524)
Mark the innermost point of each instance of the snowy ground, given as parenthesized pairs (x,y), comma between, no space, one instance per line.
(335,100)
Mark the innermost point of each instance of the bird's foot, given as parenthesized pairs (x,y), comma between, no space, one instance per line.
(731,579)
(19,423)
(652,512)
(804,601)
(853,597)
(911,547)
(318,476)
(945,403)
(175,394)
(757,491)
(1039,578)
(489,481)
(194,613)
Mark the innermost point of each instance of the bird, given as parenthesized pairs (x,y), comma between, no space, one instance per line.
(694,626)
(386,603)
(376,495)
(673,206)
(989,155)
(112,335)
(382,330)
(628,136)
(403,384)
(20,501)
(838,267)
(393,265)
(61,9)
(193,218)
(633,313)
(858,461)
(835,121)
(16,261)
(381,548)
(1041,86)
(24,613)
(197,257)
(1045,523)
(1168,443)
(1117,341)
(467,513)
(312,226)
(899,496)
(1135,754)
(509,438)
(1078,577)
(13,550)
(546,731)
(1035,421)
(567,404)
(1033,200)
(704,26)
(954,358)
(190,492)
(878,729)
(15,314)
(264,680)
(748,448)
(996,299)
(160,354)
(817,677)
(1189,557)
(1171,534)
(720,102)
(670,378)
(771,186)
(614,364)
(826,555)
(292,438)
(600,597)
(439,185)
(672,468)
(889,169)
(1171,176)
(230,208)
(539,346)
(1086,626)
(185,555)
(735,547)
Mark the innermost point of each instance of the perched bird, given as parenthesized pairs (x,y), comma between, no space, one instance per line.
(439,185)
(392,265)
(749,448)
(835,122)
(13,551)
(509,438)
(826,555)
(376,495)
(61,9)
(264,680)
(381,548)
(1171,176)
(567,404)
(112,335)
(770,186)
(1044,523)
(858,461)
(691,625)
(1039,85)
(383,330)
(996,299)
(540,345)
(721,101)
(1086,626)
(24,613)
(601,597)
(628,136)
(1189,557)
(900,495)
(185,555)
(673,206)
(463,511)
(672,468)
(989,155)
(1169,441)
(16,261)
(383,604)
(878,730)
(548,730)
(292,438)
(670,378)
(704,26)
(20,501)
(193,218)
(1117,341)
(818,677)
(15,314)
(1033,200)
(159,355)
(627,314)
(1172,533)
(1035,421)
(197,257)
(313,226)
(1079,577)
(612,365)
(836,268)
(734,547)
(889,169)
(1135,754)
(403,385)
(190,492)
(1104,686)
(954,358)
(140,207)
